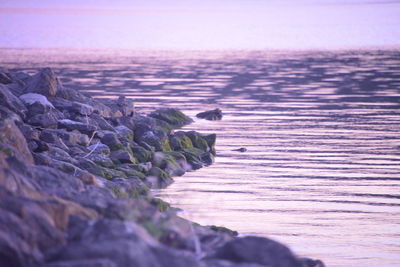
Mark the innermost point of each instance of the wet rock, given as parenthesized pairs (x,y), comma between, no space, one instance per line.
(10,101)
(74,125)
(44,82)
(172,116)
(258,250)
(158,178)
(179,141)
(198,141)
(211,115)
(169,163)
(242,149)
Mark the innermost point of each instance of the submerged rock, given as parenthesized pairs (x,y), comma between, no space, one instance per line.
(211,115)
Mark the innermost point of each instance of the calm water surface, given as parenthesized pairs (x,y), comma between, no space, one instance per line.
(322,167)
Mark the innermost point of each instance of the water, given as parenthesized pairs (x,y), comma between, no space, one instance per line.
(321,172)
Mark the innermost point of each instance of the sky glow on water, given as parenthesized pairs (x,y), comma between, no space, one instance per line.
(200,24)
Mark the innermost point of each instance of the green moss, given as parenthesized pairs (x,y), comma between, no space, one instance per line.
(180,142)
(141,154)
(153,229)
(165,145)
(160,204)
(116,147)
(130,173)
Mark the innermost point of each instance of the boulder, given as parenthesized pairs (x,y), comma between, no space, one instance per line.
(99,149)
(10,101)
(260,250)
(47,120)
(78,126)
(69,138)
(44,82)
(172,116)
(111,140)
(120,106)
(211,115)
(121,156)
(12,142)
(36,103)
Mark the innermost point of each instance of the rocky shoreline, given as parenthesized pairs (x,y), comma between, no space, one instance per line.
(75,180)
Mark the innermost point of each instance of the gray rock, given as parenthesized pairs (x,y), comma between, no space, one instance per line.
(124,133)
(73,107)
(120,106)
(99,149)
(10,101)
(111,140)
(69,138)
(79,126)
(120,156)
(263,251)
(44,82)
(4,78)
(47,120)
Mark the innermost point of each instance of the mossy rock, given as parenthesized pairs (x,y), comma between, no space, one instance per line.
(198,140)
(180,141)
(110,173)
(165,145)
(137,192)
(160,204)
(167,162)
(141,154)
(223,230)
(131,173)
(172,116)
(102,160)
(163,179)
(136,167)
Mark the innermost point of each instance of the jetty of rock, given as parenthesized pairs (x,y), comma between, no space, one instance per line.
(75,180)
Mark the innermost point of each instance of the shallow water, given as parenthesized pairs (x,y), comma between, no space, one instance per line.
(322,168)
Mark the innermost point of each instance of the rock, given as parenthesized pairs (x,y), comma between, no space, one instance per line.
(211,115)
(263,251)
(102,160)
(124,133)
(47,120)
(179,141)
(69,138)
(12,142)
(82,263)
(158,178)
(99,149)
(120,156)
(73,95)
(73,107)
(242,149)
(173,164)
(86,177)
(74,125)
(172,116)
(120,106)
(44,82)
(141,153)
(123,243)
(13,103)
(4,78)
(111,140)
(198,140)
(32,98)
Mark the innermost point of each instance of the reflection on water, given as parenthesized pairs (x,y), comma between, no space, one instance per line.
(321,172)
